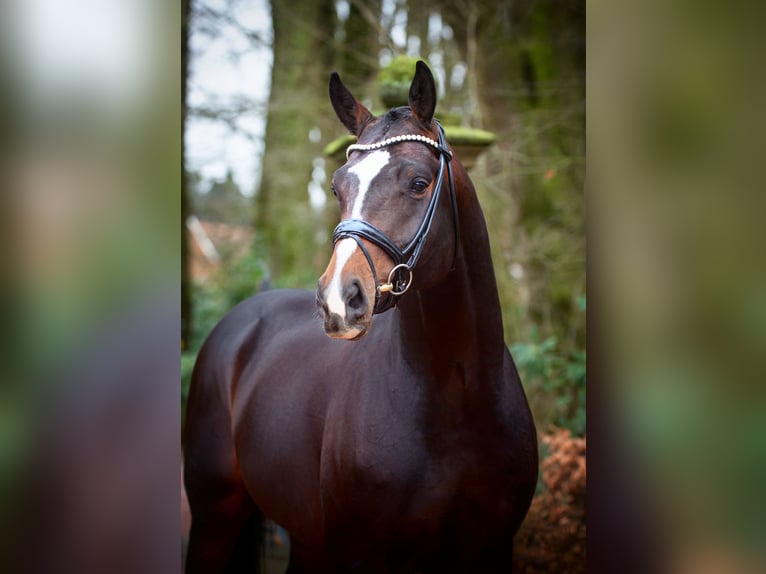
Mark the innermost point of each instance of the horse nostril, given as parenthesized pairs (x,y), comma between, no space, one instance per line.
(332,323)
(356,300)
(321,303)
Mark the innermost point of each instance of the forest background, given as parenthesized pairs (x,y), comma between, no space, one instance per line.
(515,69)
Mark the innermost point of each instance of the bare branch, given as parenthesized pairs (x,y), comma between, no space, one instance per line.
(210,21)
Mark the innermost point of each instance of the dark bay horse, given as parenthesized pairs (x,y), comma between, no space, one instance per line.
(410,449)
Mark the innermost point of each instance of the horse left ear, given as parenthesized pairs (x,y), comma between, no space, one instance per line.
(423,93)
(349,110)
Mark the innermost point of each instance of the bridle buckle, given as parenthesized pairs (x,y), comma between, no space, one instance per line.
(400,288)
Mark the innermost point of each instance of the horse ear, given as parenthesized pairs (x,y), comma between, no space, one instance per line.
(350,111)
(423,93)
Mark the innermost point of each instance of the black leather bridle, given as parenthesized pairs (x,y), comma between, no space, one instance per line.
(406,258)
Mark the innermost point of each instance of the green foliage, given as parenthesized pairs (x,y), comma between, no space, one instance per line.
(394,81)
(238,279)
(209,307)
(241,279)
(555,382)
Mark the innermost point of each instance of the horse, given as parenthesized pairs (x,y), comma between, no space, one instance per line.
(380,420)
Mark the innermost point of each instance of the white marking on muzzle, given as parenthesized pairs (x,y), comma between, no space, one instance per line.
(365,171)
(334,293)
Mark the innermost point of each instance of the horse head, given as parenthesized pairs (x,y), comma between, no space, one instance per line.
(396,192)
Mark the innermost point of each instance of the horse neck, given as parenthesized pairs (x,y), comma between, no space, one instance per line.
(456,326)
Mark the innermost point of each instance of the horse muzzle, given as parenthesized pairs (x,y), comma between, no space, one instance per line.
(344,308)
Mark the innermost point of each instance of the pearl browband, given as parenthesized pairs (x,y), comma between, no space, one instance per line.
(393,140)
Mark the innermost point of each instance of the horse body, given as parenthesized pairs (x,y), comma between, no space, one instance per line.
(411,449)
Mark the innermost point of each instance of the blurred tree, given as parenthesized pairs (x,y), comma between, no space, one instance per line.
(356,46)
(186,301)
(224,203)
(210,21)
(297,110)
(358,52)
(525,82)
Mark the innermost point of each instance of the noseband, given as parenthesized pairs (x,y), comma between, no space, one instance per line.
(405,260)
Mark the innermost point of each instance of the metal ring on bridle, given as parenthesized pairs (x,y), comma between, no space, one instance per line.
(390,287)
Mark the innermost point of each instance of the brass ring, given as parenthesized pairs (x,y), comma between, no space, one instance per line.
(391,277)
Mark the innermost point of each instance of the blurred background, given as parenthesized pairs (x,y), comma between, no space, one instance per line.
(92,202)
(91,187)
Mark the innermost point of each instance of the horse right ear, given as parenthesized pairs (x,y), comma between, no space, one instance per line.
(350,111)
(422,96)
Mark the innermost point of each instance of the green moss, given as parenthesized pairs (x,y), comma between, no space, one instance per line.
(394,81)
(399,71)
(458,135)
(338,144)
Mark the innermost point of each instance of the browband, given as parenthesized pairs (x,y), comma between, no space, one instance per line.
(397,139)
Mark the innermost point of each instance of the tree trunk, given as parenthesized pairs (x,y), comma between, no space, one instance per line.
(530,68)
(526,84)
(359,55)
(286,225)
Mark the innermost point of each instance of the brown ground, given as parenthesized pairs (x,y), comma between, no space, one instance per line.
(552,538)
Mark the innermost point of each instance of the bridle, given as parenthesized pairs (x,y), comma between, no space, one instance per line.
(405,259)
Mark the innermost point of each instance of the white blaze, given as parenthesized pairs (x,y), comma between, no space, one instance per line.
(343,251)
(365,171)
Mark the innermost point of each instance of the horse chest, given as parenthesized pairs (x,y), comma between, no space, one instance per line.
(399,479)
(467,483)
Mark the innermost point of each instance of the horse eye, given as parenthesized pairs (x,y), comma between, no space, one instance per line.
(419,186)
(334,192)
